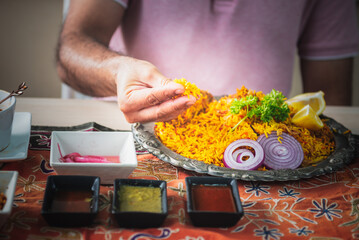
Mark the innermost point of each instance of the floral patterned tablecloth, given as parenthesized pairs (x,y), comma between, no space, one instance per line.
(325,207)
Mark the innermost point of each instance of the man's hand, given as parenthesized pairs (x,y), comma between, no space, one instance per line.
(85,62)
(145,95)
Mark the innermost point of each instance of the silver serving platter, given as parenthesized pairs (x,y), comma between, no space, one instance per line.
(343,154)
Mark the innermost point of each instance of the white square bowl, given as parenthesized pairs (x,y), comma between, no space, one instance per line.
(8,181)
(94,143)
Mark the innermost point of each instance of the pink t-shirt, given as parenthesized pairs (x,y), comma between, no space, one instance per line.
(223,44)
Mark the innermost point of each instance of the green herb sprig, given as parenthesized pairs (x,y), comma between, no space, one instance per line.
(272,106)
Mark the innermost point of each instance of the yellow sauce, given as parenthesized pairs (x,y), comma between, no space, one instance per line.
(140,199)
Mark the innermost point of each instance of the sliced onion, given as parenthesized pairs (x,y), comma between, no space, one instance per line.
(288,154)
(91,159)
(238,157)
(77,158)
(240,154)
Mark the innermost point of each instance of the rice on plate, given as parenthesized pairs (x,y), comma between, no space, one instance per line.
(205,130)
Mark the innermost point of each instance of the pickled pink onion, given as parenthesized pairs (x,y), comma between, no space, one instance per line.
(286,155)
(237,156)
(77,158)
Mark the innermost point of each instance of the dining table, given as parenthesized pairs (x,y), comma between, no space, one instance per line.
(321,207)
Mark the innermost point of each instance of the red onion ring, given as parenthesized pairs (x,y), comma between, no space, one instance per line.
(234,155)
(288,154)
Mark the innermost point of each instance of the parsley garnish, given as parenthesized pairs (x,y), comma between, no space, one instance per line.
(272,106)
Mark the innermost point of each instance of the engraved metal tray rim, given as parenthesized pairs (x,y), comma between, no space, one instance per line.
(343,154)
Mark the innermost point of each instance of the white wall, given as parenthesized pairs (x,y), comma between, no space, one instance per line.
(29,31)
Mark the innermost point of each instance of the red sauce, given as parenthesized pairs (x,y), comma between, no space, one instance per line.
(213,198)
(71,201)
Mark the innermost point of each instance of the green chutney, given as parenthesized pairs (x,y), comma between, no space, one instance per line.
(140,199)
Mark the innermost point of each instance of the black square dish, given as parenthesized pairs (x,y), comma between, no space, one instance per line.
(213,201)
(139,203)
(71,201)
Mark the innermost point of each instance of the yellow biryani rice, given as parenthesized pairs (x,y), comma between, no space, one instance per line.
(190,88)
(203,131)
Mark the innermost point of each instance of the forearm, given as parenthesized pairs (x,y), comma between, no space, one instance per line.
(86,65)
(333,77)
(84,60)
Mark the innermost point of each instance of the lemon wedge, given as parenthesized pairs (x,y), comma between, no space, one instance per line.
(307,118)
(314,99)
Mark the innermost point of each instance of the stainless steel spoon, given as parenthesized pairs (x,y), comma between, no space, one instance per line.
(22,87)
